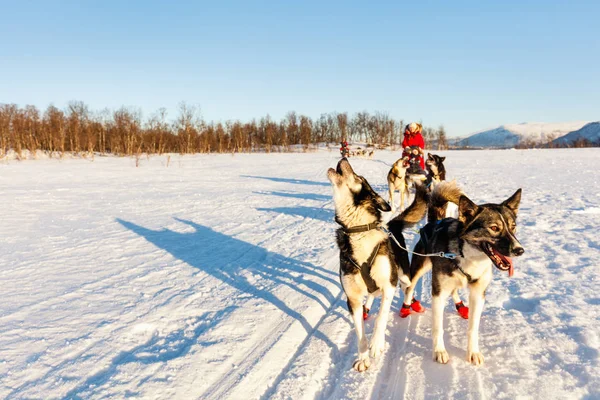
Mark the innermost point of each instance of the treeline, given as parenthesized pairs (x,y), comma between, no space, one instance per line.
(125,131)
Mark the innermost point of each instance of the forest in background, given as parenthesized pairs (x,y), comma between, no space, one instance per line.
(125,131)
(78,129)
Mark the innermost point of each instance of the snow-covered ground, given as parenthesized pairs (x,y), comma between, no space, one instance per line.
(216,277)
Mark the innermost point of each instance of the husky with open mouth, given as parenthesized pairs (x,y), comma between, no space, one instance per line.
(370,263)
(462,253)
(397,181)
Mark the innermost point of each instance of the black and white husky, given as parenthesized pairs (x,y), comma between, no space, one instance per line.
(481,237)
(435,169)
(370,264)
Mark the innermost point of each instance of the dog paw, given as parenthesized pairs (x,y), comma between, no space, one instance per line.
(441,356)
(462,310)
(475,358)
(416,306)
(377,348)
(362,365)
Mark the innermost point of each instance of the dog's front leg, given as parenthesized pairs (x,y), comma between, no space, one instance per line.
(378,339)
(476,302)
(392,197)
(363,362)
(402,194)
(437,307)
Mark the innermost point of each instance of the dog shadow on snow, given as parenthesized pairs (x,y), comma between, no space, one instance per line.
(295,195)
(288,180)
(229,259)
(316,213)
(321,214)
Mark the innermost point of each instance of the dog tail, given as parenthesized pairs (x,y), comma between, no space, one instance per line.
(443,193)
(413,213)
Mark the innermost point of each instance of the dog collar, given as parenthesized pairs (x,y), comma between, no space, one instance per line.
(361,228)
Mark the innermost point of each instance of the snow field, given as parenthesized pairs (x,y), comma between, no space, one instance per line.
(217,277)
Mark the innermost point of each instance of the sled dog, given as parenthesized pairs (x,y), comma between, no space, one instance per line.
(370,263)
(481,237)
(397,181)
(435,169)
(436,173)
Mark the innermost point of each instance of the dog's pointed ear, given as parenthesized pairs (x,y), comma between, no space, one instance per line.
(442,159)
(513,201)
(429,156)
(466,209)
(382,204)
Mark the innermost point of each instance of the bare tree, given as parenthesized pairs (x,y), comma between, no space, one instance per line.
(305,131)
(342,122)
(442,143)
(186,127)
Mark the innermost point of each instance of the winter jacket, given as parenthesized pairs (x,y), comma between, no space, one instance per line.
(415,139)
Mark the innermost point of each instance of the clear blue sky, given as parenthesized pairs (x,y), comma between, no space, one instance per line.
(467,65)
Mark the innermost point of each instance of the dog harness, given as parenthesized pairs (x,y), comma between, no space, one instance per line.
(450,256)
(365,268)
(425,239)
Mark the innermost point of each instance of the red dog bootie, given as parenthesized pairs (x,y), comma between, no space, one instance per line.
(405,310)
(416,306)
(463,310)
(365,313)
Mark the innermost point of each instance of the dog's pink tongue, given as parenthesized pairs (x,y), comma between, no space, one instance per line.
(507,260)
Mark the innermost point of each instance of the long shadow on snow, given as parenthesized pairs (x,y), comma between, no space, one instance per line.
(287,180)
(321,214)
(225,258)
(156,349)
(303,196)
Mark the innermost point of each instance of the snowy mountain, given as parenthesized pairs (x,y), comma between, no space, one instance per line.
(512,134)
(589,132)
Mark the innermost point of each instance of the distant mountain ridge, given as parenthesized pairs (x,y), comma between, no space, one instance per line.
(533,133)
(589,132)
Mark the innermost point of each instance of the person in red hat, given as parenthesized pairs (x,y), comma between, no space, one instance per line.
(412,138)
(344,149)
